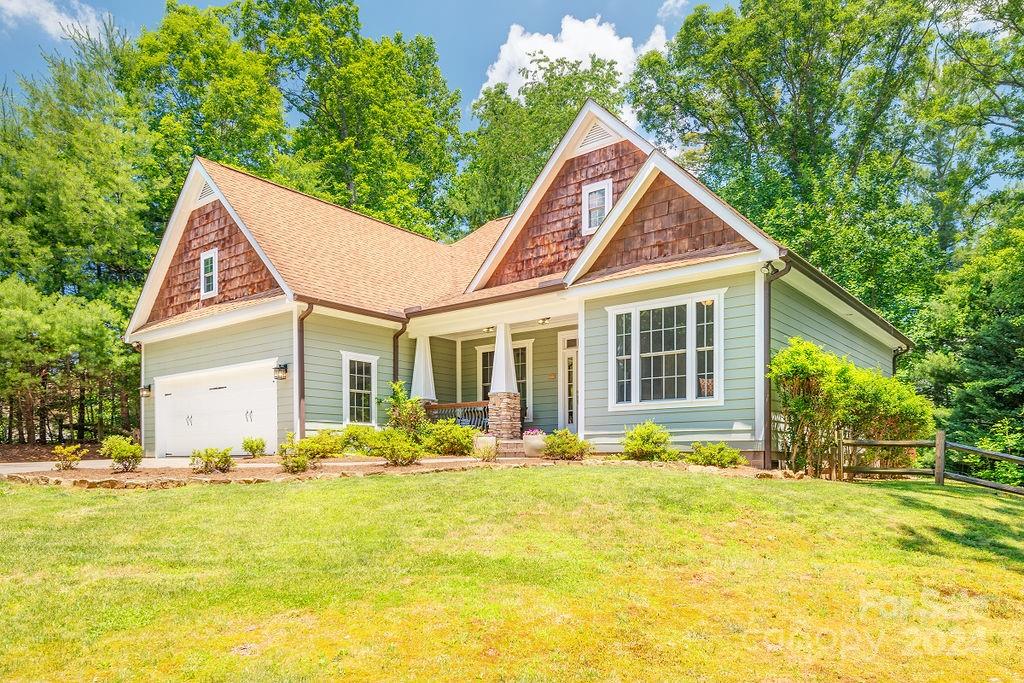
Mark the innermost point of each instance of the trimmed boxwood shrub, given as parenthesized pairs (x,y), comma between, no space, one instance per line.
(123,451)
(209,460)
(715,454)
(446,437)
(396,447)
(357,438)
(648,441)
(563,444)
(254,446)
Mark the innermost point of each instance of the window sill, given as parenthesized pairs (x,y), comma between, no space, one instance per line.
(664,405)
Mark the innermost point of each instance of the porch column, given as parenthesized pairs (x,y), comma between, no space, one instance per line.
(423,372)
(503,402)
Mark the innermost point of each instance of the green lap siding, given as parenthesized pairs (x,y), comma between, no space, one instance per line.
(794,314)
(442,356)
(732,422)
(269,337)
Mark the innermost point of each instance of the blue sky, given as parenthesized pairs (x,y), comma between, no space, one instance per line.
(478,42)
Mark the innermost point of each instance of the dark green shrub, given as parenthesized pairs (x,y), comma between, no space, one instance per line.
(210,460)
(357,438)
(123,451)
(446,437)
(405,413)
(648,441)
(66,457)
(254,446)
(715,454)
(396,447)
(563,444)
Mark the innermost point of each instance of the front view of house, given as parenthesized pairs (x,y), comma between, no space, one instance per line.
(621,290)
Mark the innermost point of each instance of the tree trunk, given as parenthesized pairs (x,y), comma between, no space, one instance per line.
(81,410)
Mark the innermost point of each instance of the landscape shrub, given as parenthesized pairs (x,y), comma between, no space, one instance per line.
(447,437)
(396,447)
(209,460)
(357,438)
(123,451)
(326,443)
(406,413)
(67,457)
(563,444)
(293,458)
(714,454)
(822,396)
(254,446)
(648,441)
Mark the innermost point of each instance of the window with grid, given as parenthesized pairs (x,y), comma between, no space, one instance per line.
(208,273)
(596,207)
(663,353)
(705,348)
(487,369)
(624,358)
(360,391)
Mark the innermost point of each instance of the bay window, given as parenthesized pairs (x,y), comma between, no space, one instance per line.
(666,352)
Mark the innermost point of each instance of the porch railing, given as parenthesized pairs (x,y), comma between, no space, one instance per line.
(469,414)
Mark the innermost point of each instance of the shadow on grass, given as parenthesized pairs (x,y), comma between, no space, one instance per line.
(997,536)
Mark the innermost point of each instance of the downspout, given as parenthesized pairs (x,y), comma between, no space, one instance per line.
(394,350)
(300,368)
(771,274)
(896,353)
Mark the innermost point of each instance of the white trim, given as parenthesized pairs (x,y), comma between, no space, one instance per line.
(609,137)
(347,356)
(658,162)
(209,254)
(605,185)
(721,267)
(562,383)
(458,371)
(691,401)
(212,322)
(521,344)
(759,368)
(590,113)
(142,401)
(355,317)
(581,326)
(233,367)
(295,361)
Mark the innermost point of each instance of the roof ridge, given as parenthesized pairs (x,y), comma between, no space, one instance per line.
(314,197)
(474,230)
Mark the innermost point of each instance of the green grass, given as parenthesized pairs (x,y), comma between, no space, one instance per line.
(577,573)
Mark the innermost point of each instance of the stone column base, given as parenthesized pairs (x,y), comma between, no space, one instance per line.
(503,415)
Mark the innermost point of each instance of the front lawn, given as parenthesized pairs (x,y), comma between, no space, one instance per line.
(579,573)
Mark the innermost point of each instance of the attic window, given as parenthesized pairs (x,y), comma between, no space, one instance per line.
(596,200)
(208,274)
(597,136)
(205,193)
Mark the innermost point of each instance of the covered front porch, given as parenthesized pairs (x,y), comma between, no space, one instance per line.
(499,371)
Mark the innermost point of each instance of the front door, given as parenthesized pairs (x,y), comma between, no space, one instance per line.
(568,356)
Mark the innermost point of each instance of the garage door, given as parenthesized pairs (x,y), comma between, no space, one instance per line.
(216,408)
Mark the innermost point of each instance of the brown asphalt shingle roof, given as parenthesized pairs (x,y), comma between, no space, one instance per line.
(330,253)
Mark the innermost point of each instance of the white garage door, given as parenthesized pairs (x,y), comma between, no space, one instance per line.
(216,408)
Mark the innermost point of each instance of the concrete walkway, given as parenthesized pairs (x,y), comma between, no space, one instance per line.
(157,463)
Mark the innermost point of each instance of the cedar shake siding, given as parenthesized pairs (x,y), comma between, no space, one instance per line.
(553,237)
(668,224)
(240,271)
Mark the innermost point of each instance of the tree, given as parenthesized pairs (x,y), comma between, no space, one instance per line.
(377,115)
(516,135)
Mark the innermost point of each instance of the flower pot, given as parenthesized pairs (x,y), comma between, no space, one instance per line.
(484,441)
(533,444)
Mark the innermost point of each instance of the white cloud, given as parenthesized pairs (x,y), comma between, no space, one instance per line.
(671,8)
(47,14)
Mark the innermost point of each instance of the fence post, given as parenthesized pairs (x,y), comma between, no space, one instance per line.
(940,456)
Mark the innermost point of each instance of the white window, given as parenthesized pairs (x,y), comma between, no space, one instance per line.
(208,273)
(359,388)
(597,200)
(666,352)
(522,358)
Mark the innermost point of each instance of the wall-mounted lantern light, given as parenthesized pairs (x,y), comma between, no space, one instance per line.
(489,329)
(146,391)
(281,371)
(544,321)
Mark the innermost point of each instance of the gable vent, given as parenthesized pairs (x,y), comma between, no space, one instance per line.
(597,136)
(205,193)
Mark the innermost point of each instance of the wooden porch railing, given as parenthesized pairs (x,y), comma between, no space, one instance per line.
(470,414)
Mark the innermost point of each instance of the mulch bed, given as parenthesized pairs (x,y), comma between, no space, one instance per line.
(23,452)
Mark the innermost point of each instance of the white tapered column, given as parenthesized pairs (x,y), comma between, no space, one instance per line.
(423,372)
(503,403)
(503,375)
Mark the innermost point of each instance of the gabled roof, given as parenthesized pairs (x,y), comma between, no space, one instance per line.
(593,123)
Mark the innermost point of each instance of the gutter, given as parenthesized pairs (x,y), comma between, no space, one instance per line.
(394,350)
(300,367)
(771,274)
(313,301)
(542,288)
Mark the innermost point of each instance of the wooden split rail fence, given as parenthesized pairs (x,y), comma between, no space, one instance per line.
(942,447)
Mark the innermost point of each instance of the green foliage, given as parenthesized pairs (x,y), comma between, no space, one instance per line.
(518,131)
(326,443)
(357,438)
(821,394)
(396,447)
(293,459)
(123,451)
(714,454)
(67,457)
(254,446)
(563,444)
(207,460)
(648,441)
(406,413)
(446,437)
(486,453)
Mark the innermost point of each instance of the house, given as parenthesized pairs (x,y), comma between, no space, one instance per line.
(621,289)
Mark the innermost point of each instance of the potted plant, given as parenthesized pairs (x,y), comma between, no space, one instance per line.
(533,442)
(484,442)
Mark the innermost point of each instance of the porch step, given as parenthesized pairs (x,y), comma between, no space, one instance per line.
(511,448)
